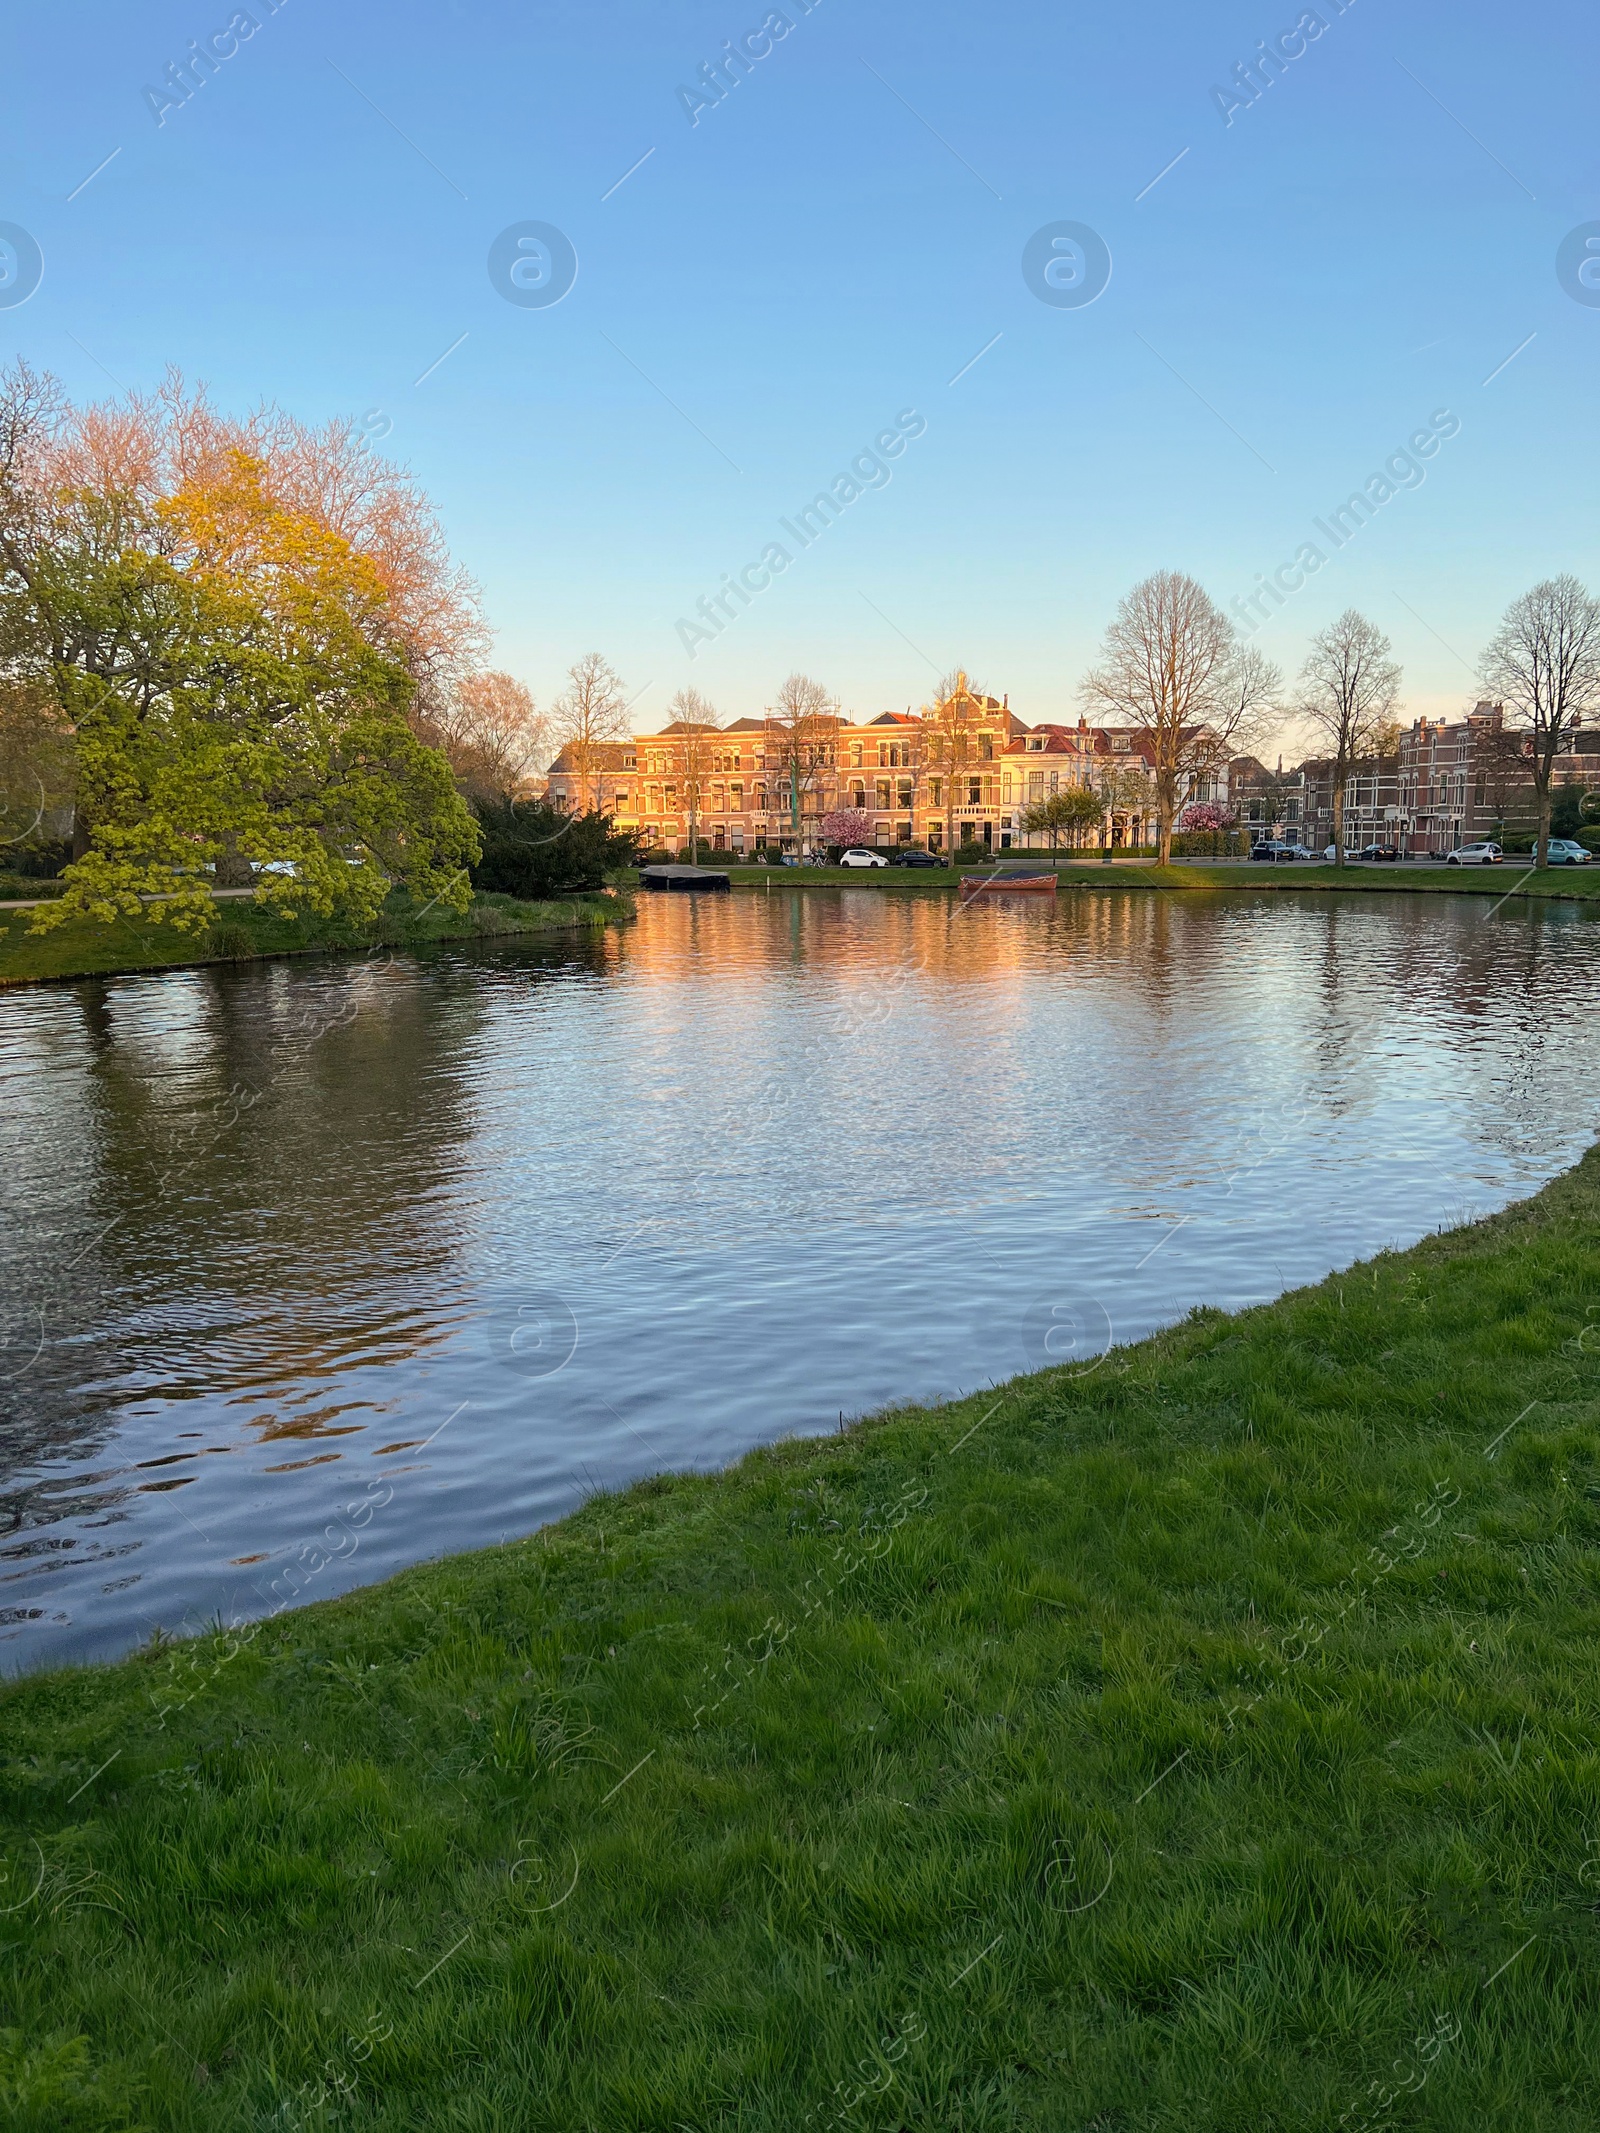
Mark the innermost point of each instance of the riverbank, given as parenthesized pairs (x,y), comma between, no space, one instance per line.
(1508,883)
(243,931)
(1200,1736)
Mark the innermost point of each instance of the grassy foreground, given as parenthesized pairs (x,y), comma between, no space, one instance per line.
(241,930)
(1206,1739)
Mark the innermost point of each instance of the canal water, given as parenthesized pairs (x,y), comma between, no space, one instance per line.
(313,1269)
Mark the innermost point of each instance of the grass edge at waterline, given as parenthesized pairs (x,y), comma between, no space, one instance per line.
(243,931)
(1190,1735)
(1508,884)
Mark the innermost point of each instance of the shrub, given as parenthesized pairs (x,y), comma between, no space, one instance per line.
(534,851)
(1210,844)
(231,941)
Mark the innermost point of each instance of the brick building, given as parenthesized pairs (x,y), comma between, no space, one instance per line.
(962,774)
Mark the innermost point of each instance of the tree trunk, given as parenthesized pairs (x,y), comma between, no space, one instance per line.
(1541,848)
(1338,817)
(231,869)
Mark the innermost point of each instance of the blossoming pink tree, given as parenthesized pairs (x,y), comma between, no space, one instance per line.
(1204,815)
(847,826)
(1203,818)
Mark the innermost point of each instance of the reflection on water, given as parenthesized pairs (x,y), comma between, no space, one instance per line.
(459,1239)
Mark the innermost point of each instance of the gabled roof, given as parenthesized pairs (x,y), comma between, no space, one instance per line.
(1057,740)
(603,755)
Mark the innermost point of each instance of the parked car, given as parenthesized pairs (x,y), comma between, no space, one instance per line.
(910,856)
(1380,851)
(859,856)
(1271,849)
(1297,851)
(1567,852)
(1483,854)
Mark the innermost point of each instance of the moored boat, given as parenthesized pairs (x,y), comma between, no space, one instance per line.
(676,877)
(1014,883)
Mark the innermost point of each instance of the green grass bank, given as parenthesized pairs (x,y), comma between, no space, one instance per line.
(1510,882)
(241,931)
(1203,1739)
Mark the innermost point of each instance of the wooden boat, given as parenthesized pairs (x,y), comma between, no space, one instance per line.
(1014,883)
(680,878)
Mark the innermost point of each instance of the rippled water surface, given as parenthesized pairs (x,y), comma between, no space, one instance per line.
(428,1249)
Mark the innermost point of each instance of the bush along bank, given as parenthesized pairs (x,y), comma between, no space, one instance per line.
(1197,1734)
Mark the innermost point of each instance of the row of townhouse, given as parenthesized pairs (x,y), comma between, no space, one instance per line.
(962,775)
(1449,782)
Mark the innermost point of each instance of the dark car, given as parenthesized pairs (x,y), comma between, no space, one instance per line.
(1380,851)
(911,857)
(1272,849)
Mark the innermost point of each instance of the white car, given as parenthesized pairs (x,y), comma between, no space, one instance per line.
(1486,854)
(859,856)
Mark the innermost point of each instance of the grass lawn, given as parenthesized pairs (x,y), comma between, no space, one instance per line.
(241,930)
(1511,881)
(1206,1740)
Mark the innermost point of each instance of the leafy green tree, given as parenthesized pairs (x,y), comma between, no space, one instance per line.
(236,700)
(1067,813)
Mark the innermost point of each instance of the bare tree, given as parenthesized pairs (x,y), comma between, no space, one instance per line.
(799,741)
(590,719)
(1544,663)
(948,749)
(1349,693)
(1172,667)
(697,721)
(492,732)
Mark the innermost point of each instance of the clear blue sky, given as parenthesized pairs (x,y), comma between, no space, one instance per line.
(778,281)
